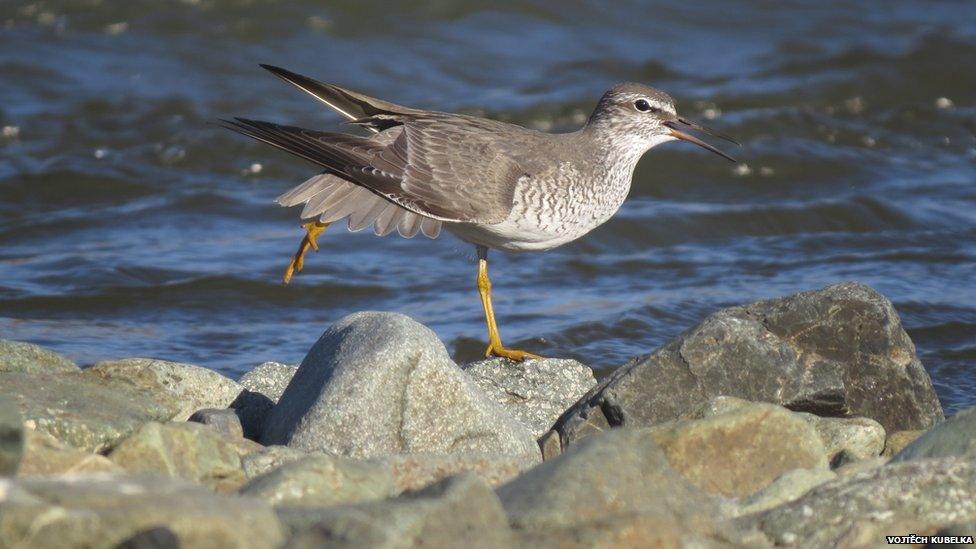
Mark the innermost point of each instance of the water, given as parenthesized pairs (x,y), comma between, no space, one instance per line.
(130,225)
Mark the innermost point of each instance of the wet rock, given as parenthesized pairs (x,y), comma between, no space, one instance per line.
(11,436)
(80,411)
(189,388)
(252,410)
(899,440)
(536,392)
(616,474)
(458,511)
(189,451)
(912,496)
(320,480)
(45,455)
(737,452)
(269,458)
(27,358)
(102,511)
(849,439)
(955,437)
(269,379)
(840,351)
(416,471)
(788,487)
(224,421)
(377,384)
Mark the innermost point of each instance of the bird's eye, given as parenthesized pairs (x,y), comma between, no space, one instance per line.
(643,106)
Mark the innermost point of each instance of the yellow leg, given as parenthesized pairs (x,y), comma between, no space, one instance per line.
(495,347)
(312,231)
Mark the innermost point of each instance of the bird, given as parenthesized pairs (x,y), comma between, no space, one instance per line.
(496,185)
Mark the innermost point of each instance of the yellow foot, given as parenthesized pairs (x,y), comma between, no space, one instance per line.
(511,354)
(312,231)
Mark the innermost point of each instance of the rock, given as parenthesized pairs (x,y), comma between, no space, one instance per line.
(459,511)
(788,487)
(616,474)
(377,384)
(189,451)
(269,379)
(189,387)
(102,511)
(738,452)
(955,437)
(27,358)
(901,498)
(852,438)
(899,440)
(321,480)
(252,409)
(857,467)
(44,455)
(840,351)
(80,411)
(269,458)
(536,392)
(416,471)
(224,421)
(11,436)
(159,537)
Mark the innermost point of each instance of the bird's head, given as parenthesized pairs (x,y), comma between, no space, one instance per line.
(646,117)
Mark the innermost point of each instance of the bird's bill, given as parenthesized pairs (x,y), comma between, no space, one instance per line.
(676,131)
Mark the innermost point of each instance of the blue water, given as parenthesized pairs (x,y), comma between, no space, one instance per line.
(132,226)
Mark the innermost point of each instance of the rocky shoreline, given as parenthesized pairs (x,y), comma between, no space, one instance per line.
(801,421)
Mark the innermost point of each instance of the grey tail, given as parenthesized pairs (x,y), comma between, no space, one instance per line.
(353,105)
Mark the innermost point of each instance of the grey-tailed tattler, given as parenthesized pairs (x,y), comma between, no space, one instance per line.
(495,185)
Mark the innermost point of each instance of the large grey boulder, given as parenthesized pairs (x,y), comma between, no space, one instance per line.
(377,384)
(536,391)
(27,358)
(840,351)
(910,497)
(80,411)
(188,387)
(460,511)
(11,436)
(101,511)
(737,452)
(616,474)
(955,437)
(320,480)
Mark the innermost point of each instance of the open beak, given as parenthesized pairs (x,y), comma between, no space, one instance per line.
(680,123)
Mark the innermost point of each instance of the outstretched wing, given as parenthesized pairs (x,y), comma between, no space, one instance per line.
(441,166)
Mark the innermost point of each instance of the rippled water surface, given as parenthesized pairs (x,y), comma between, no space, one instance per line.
(130,225)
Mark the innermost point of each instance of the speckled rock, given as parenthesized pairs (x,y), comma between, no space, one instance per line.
(269,458)
(416,471)
(912,496)
(459,511)
(44,455)
(11,436)
(955,437)
(320,480)
(378,384)
(788,487)
(100,511)
(269,379)
(898,440)
(620,472)
(536,392)
(840,351)
(80,411)
(189,451)
(27,358)
(189,387)
(735,453)
(853,438)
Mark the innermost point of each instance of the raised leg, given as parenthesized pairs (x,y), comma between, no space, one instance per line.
(312,230)
(495,347)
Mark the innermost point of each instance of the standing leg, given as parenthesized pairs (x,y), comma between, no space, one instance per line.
(495,347)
